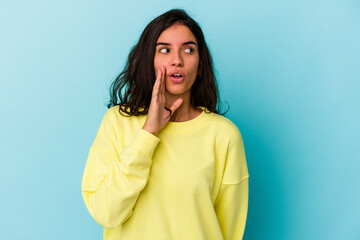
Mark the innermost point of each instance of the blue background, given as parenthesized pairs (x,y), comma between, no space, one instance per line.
(289,70)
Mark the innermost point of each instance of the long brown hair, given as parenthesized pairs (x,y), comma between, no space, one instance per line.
(132,88)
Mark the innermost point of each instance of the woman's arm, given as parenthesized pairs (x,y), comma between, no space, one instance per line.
(231,205)
(112,180)
(231,209)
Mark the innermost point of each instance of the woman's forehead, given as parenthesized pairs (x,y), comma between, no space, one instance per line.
(177,34)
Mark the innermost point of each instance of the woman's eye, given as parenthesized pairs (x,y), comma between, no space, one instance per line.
(164,50)
(189,50)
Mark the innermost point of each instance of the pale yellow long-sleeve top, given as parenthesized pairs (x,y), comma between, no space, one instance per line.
(190,182)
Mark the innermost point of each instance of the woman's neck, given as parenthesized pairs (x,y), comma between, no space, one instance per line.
(185,112)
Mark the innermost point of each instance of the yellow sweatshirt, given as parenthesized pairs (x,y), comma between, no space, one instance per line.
(190,182)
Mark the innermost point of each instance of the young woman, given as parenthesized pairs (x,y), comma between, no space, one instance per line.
(165,164)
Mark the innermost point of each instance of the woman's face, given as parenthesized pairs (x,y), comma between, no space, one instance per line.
(177,51)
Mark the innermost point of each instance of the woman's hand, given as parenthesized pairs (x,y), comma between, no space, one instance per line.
(159,115)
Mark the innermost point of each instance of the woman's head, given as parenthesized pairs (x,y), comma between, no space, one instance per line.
(177,54)
(132,89)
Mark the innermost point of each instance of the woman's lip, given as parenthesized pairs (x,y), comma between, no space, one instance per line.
(177,79)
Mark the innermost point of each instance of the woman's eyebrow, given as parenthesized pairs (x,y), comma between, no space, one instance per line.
(168,44)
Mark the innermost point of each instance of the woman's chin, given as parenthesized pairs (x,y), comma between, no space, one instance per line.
(176,92)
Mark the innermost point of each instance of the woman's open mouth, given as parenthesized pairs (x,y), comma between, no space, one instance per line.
(177,77)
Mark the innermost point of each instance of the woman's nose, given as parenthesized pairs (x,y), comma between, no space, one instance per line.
(177,60)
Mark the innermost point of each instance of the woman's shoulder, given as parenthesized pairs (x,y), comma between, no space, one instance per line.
(115,114)
(223,125)
(112,113)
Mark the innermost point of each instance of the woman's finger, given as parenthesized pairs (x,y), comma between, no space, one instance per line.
(161,82)
(157,84)
(164,82)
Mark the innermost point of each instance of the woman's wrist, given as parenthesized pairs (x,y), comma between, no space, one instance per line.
(148,129)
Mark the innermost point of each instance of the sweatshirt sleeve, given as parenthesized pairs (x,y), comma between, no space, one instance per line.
(231,205)
(114,177)
(231,209)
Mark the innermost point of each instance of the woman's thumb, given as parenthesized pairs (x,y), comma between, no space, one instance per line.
(176,104)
